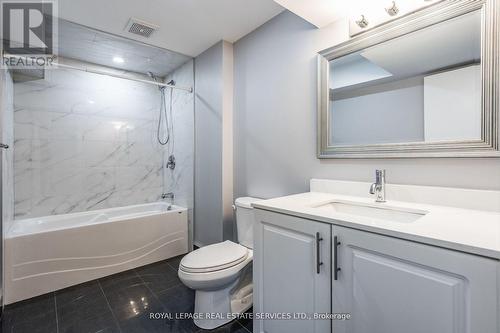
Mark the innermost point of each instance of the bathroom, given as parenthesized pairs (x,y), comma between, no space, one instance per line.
(251,166)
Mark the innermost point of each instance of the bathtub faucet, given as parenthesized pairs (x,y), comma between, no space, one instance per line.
(170,196)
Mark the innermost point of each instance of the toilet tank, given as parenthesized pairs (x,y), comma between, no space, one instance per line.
(245,220)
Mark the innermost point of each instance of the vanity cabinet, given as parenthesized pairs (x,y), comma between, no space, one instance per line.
(292,262)
(393,285)
(386,284)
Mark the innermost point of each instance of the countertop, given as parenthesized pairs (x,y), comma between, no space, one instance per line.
(465,230)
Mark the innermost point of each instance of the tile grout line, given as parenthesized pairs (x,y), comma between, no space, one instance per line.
(55,308)
(171,287)
(109,306)
(154,294)
(151,291)
(169,265)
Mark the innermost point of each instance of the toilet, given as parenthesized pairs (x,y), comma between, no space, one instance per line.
(221,273)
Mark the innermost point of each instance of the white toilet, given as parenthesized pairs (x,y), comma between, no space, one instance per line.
(221,274)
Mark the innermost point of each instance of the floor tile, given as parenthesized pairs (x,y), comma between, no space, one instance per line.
(122,302)
(85,292)
(247,324)
(131,303)
(131,300)
(45,323)
(178,299)
(31,308)
(231,327)
(83,308)
(35,315)
(119,281)
(246,320)
(180,326)
(159,276)
(142,324)
(175,261)
(95,323)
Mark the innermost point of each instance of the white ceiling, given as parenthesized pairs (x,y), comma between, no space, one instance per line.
(186,26)
(317,12)
(85,44)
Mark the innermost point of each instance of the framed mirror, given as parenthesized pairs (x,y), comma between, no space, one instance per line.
(424,85)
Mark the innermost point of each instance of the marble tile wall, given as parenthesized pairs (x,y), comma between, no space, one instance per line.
(85,141)
(7,137)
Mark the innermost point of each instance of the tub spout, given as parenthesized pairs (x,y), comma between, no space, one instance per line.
(170,196)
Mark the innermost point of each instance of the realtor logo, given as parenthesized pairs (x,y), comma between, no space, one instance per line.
(28,29)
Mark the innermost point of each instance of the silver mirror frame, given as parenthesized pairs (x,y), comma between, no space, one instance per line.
(488,146)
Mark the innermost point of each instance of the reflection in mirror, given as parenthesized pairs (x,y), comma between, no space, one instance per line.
(421,87)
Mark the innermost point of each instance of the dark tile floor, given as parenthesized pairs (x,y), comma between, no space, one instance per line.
(117,303)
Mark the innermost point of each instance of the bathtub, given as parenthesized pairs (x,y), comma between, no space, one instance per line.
(50,253)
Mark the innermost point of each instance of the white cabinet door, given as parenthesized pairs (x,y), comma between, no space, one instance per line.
(291,273)
(389,285)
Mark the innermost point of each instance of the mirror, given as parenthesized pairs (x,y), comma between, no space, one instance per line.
(415,91)
(423,87)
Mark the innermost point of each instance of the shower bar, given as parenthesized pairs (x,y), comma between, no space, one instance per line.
(96,71)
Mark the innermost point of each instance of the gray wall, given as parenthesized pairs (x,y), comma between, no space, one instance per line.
(385,113)
(213,145)
(208,146)
(275,120)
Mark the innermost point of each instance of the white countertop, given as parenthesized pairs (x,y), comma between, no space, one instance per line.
(466,230)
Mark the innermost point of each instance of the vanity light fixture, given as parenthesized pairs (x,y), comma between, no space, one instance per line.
(362,22)
(392,10)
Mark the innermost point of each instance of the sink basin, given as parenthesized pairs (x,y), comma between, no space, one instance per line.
(375,211)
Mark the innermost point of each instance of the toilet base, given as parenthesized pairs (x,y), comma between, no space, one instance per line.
(219,307)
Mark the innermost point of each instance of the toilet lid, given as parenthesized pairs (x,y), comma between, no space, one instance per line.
(214,257)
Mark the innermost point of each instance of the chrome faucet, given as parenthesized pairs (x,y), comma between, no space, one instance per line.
(378,188)
(170,196)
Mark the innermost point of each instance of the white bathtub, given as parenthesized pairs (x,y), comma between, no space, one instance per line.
(50,253)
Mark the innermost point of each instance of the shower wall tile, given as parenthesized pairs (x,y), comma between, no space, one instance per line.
(7,137)
(85,141)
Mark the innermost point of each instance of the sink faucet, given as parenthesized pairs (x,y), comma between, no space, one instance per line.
(170,196)
(378,188)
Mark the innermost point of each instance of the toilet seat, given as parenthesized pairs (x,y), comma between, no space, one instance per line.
(214,257)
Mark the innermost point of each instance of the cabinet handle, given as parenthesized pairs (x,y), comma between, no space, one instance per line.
(4,146)
(318,260)
(336,269)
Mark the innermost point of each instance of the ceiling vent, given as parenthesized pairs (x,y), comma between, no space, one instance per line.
(140,27)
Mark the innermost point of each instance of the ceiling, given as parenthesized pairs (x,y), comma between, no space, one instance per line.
(89,45)
(318,12)
(186,26)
